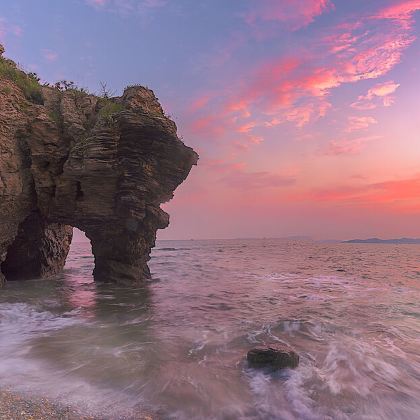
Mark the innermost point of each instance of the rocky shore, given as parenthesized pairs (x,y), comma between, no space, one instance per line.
(14,406)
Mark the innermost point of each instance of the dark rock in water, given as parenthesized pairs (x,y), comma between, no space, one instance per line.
(72,159)
(276,355)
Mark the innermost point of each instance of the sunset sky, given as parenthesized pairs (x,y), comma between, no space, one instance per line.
(305,113)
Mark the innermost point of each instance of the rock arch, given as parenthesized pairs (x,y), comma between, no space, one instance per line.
(103,165)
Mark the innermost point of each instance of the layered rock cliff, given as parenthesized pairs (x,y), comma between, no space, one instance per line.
(71,159)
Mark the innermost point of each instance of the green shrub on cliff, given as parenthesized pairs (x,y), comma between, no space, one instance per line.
(28,83)
(108,110)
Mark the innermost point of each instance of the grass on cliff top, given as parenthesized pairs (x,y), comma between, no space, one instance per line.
(108,110)
(28,83)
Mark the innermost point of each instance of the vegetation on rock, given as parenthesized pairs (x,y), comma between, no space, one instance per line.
(108,110)
(28,83)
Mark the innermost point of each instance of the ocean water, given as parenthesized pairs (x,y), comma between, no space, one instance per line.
(177,345)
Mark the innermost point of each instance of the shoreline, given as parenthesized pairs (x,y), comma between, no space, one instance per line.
(20,406)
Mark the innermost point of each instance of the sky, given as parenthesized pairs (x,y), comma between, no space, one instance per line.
(305,113)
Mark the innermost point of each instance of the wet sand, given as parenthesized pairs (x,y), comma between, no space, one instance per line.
(15,406)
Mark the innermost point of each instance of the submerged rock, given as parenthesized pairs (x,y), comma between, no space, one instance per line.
(72,159)
(275,355)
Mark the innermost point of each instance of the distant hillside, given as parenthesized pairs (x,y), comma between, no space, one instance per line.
(384,241)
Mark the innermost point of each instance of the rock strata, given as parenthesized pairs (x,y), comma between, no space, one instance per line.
(72,159)
(275,355)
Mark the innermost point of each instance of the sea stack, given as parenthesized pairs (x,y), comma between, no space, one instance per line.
(72,159)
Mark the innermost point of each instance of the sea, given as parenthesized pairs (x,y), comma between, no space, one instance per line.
(177,345)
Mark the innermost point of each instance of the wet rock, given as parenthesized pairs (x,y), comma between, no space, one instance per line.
(71,159)
(275,355)
(43,247)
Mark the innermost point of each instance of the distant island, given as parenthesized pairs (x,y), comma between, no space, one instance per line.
(384,241)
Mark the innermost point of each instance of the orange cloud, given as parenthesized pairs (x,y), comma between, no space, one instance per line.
(400,195)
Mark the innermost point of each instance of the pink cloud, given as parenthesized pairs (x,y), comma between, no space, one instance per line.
(16,30)
(98,3)
(7,28)
(349,146)
(401,10)
(256,139)
(246,141)
(381,93)
(127,6)
(235,175)
(221,166)
(199,103)
(244,180)
(240,146)
(49,55)
(246,128)
(296,88)
(2,29)
(294,14)
(285,90)
(359,123)
(212,125)
(290,89)
(155,3)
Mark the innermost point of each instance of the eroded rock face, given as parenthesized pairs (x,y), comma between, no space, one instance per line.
(101,165)
(39,249)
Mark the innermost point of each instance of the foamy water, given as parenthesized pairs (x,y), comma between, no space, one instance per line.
(177,346)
